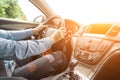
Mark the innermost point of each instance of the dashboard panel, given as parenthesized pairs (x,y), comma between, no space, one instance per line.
(95,41)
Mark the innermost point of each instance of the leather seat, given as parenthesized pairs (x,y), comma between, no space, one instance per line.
(110,68)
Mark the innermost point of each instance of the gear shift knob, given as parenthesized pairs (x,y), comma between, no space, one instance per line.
(73,63)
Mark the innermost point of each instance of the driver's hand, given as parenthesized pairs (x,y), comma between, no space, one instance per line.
(58,35)
(37,29)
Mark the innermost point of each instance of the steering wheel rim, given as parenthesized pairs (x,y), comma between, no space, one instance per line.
(49,20)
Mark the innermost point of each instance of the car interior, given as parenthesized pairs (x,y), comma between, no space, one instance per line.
(94,49)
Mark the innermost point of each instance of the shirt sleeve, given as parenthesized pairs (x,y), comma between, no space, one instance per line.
(10,49)
(16,34)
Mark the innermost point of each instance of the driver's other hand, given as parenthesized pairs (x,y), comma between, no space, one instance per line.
(58,35)
(37,29)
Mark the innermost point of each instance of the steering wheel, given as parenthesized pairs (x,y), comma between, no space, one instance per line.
(71,28)
(51,23)
(63,45)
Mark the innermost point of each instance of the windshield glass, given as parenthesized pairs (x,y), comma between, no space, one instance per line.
(82,11)
(30,11)
(88,11)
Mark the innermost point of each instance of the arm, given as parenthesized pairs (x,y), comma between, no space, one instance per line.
(21,34)
(16,35)
(22,49)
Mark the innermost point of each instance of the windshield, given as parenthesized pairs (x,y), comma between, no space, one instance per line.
(82,11)
(30,11)
(88,11)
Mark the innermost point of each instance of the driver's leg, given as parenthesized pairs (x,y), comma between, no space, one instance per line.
(43,67)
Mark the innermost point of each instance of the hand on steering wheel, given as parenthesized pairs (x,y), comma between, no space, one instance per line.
(39,28)
(54,22)
(58,35)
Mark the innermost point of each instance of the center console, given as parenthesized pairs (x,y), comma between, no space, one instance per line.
(95,41)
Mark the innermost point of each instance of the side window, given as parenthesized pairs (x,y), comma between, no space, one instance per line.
(18,10)
(11,9)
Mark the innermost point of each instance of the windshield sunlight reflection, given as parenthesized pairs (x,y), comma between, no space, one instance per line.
(83,11)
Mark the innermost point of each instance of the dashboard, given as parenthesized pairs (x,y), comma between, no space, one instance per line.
(95,41)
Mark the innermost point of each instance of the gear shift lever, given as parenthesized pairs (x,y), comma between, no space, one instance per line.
(73,64)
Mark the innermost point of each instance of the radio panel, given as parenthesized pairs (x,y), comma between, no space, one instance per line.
(90,50)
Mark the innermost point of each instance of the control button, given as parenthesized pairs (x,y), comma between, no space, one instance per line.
(84,55)
(87,45)
(104,45)
(94,44)
(83,43)
(94,56)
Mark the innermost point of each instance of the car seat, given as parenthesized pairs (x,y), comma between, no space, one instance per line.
(110,68)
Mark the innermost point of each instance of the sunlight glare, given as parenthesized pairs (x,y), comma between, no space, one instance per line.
(83,11)
(87,11)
